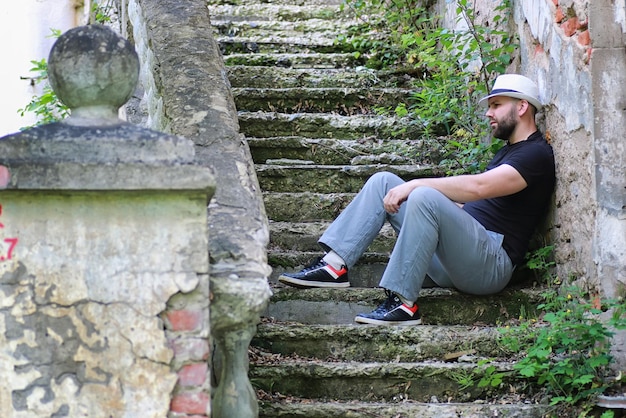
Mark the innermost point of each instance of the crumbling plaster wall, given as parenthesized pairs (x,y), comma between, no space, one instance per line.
(554,52)
(186,92)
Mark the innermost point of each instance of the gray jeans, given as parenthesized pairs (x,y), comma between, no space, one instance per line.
(435,237)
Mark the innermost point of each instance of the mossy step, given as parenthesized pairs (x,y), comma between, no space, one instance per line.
(272,11)
(343,101)
(379,343)
(322,125)
(278,2)
(279,44)
(303,236)
(305,206)
(303,59)
(346,151)
(378,381)
(226,25)
(360,77)
(331,178)
(366,273)
(437,306)
(398,409)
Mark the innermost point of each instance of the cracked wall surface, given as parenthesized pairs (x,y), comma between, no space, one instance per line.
(81,295)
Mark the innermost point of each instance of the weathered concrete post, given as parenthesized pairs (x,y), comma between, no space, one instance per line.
(103,252)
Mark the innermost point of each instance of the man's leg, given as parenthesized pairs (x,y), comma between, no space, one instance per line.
(360,222)
(435,231)
(433,225)
(349,235)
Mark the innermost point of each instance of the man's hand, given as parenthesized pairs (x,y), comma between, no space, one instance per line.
(397,196)
(503,180)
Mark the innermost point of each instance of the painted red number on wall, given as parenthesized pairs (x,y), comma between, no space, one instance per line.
(11,241)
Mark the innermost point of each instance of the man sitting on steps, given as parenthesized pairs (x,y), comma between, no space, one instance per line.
(467,232)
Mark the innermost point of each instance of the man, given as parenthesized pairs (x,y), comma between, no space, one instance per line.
(467,232)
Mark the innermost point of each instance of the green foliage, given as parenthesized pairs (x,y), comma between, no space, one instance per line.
(491,377)
(566,351)
(541,262)
(47,107)
(101,12)
(485,376)
(452,69)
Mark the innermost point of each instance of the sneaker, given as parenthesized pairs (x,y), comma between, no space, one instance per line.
(391,312)
(317,274)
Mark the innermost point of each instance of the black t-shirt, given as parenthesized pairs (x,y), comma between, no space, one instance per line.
(516,216)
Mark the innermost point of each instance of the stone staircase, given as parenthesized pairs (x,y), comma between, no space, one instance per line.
(307,108)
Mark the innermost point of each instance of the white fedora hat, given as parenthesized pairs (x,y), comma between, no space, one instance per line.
(517,86)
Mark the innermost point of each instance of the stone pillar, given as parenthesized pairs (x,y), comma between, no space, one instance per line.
(103,252)
(187,93)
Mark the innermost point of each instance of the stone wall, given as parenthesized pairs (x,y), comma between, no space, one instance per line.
(104,307)
(186,92)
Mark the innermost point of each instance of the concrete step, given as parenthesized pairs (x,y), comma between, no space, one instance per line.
(331,178)
(279,44)
(305,206)
(323,125)
(331,151)
(278,2)
(398,408)
(303,236)
(360,77)
(303,59)
(437,306)
(366,273)
(270,11)
(378,343)
(379,381)
(258,28)
(342,101)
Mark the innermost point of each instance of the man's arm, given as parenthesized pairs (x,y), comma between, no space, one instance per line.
(500,181)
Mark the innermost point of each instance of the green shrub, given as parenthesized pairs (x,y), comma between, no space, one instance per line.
(452,70)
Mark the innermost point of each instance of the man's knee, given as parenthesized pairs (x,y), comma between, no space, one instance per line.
(425,194)
(381,176)
(383,180)
(424,198)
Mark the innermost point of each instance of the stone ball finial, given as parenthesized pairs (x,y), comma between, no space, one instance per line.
(94,72)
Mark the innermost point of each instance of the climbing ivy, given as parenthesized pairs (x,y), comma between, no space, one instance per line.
(452,69)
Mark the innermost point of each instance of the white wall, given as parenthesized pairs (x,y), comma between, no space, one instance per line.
(24,30)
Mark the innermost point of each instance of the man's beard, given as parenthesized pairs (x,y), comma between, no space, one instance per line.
(506,126)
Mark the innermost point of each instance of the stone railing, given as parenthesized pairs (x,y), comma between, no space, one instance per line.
(186,92)
(104,260)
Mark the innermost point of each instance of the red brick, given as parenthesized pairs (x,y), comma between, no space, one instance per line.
(569,26)
(190,403)
(186,320)
(539,49)
(193,374)
(584,38)
(559,16)
(190,349)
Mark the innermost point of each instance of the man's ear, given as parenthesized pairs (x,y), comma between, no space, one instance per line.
(524,107)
